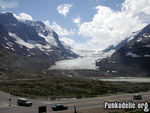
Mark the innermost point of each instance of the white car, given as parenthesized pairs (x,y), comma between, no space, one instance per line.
(23,102)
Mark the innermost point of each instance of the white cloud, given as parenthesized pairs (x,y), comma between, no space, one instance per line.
(79,48)
(64,9)
(69,42)
(76,46)
(77,20)
(136,7)
(5,5)
(59,29)
(109,26)
(23,16)
(141,9)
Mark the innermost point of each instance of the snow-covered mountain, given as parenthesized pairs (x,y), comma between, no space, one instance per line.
(117,46)
(133,58)
(107,52)
(31,40)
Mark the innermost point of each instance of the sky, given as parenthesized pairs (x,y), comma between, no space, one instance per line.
(85,24)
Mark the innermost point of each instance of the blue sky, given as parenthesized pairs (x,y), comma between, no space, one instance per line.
(47,9)
(85,24)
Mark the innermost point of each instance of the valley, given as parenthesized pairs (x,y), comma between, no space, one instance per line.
(57,84)
(58,87)
(82,63)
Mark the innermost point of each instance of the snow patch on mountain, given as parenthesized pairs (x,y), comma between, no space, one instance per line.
(20,41)
(30,43)
(132,54)
(45,48)
(139,39)
(132,36)
(49,39)
(146,55)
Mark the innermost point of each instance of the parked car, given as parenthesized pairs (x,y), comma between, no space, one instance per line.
(24,102)
(58,107)
(137,97)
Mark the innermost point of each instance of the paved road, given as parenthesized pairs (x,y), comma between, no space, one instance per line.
(81,104)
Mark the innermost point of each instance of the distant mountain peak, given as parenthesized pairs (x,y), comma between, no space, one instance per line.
(30,39)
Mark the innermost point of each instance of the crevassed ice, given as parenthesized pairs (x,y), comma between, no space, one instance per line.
(78,63)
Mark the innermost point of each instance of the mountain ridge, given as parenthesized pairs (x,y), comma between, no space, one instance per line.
(132,58)
(28,40)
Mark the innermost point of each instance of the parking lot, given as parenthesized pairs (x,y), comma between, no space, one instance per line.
(82,105)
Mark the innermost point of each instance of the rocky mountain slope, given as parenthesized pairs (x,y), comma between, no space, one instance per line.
(132,59)
(29,44)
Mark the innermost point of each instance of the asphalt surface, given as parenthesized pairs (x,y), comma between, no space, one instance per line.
(81,104)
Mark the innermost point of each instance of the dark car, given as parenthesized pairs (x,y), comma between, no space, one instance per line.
(137,97)
(58,107)
(24,102)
